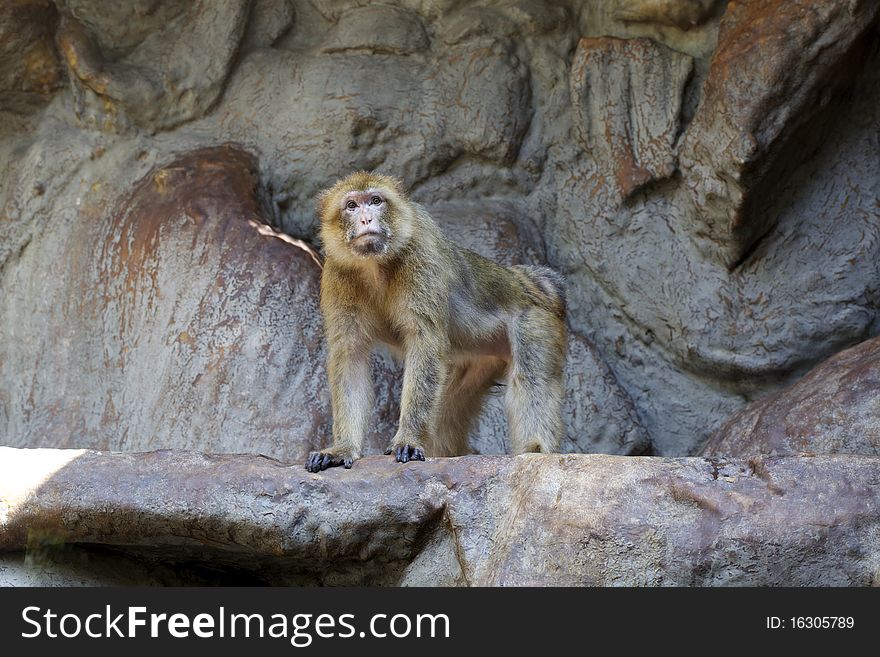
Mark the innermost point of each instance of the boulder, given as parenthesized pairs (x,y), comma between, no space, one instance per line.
(834,409)
(166,320)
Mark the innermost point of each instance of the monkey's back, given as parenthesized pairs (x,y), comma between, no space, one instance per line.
(485,297)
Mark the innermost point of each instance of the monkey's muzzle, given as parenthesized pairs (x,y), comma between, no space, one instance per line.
(369,243)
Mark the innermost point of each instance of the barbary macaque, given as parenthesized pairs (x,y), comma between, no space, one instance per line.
(460,321)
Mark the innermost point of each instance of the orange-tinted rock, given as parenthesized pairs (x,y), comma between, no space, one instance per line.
(777,66)
(175,323)
(632,140)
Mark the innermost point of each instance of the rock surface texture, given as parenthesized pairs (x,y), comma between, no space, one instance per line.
(563,520)
(835,409)
(704,173)
(610,82)
(776,68)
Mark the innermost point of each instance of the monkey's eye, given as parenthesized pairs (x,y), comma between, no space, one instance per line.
(351,205)
(376,200)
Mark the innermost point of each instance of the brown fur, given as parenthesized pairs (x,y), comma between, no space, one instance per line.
(462,322)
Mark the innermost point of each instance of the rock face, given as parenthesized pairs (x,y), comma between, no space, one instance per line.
(703,173)
(497,120)
(688,338)
(478,521)
(167,319)
(835,409)
(124,68)
(610,78)
(776,68)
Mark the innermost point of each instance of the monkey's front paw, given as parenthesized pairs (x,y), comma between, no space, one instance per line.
(329,458)
(404,452)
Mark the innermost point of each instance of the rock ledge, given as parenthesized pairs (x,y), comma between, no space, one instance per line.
(477,520)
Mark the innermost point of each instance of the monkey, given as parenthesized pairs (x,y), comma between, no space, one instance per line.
(461,323)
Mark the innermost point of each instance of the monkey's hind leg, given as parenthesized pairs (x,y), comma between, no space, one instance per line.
(462,401)
(535,386)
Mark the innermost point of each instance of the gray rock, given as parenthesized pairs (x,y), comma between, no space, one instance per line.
(269,20)
(119,26)
(530,520)
(164,73)
(164,322)
(683,14)
(690,341)
(632,140)
(378,29)
(777,66)
(28,62)
(346,118)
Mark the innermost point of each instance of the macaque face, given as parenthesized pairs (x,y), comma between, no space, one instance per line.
(365,219)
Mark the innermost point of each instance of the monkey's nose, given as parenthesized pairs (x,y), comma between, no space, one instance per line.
(366,220)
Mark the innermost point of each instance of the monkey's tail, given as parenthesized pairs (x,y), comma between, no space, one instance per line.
(550,285)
